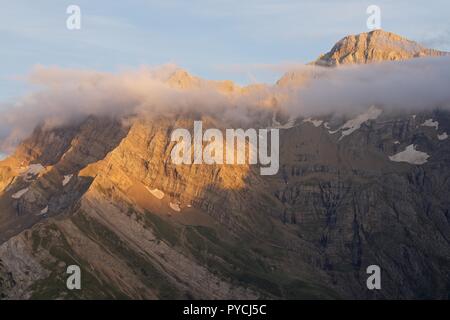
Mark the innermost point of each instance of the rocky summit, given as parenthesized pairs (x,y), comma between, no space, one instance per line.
(103,194)
(375,46)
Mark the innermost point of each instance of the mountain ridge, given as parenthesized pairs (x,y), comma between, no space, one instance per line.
(101,195)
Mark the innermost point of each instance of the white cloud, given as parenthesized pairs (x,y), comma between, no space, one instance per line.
(68,95)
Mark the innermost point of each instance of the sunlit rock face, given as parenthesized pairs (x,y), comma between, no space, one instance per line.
(374,46)
(103,194)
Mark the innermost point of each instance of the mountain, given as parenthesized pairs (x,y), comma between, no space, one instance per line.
(181,79)
(363,48)
(374,46)
(103,194)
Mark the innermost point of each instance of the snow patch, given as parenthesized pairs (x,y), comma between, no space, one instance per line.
(410,155)
(44,211)
(396,142)
(430,123)
(175,207)
(19,193)
(442,136)
(156,193)
(277,125)
(67,179)
(315,123)
(31,171)
(354,124)
(34,169)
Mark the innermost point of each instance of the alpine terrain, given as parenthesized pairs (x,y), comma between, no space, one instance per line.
(103,194)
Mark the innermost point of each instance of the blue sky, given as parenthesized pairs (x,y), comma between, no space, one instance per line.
(216,39)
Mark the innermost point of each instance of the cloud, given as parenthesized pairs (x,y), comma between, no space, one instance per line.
(412,85)
(65,96)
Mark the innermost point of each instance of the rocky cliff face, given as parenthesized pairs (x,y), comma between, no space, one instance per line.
(104,195)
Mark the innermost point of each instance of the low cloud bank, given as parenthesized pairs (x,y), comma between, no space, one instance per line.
(65,96)
(414,85)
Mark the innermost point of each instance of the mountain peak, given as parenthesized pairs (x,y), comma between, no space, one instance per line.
(374,46)
(181,79)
